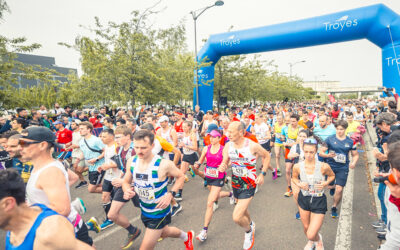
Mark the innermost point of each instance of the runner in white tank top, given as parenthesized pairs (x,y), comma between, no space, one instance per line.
(309,176)
(49,183)
(243,153)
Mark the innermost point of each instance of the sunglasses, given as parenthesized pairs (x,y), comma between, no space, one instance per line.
(23,143)
(310,141)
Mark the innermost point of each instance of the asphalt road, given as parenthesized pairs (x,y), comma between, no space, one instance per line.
(274,215)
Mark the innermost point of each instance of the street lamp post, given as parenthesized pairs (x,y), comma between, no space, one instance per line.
(195,15)
(292,64)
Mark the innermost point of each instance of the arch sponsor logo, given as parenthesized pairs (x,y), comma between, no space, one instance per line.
(341,24)
(392,61)
(230,41)
(201,74)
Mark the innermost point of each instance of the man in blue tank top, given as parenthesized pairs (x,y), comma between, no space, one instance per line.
(49,230)
(336,152)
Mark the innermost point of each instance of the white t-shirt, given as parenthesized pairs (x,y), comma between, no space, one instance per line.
(76,152)
(261,132)
(111,173)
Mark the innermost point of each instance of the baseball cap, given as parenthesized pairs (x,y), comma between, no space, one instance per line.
(57,122)
(39,134)
(211,127)
(215,133)
(77,121)
(163,118)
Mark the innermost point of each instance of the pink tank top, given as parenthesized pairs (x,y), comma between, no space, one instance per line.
(213,162)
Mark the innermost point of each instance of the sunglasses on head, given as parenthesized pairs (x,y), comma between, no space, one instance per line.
(310,141)
(23,143)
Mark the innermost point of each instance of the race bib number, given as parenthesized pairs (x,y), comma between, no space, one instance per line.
(290,141)
(146,193)
(340,158)
(212,172)
(239,171)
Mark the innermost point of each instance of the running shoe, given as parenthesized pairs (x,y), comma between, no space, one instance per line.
(192,173)
(228,183)
(215,206)
(298,215)
(178,197)
(189,242)
(378,223)
(381,230)
(176,209)
(81,184)
(248,239)
(202,236)
(131,237)
(278,172)
(289,192)
(232,199)
(310,245)
(275,174)
(79,206)
(93,225)
(319,245)
(334,212)
(170,181)
(253,227)
(106,224)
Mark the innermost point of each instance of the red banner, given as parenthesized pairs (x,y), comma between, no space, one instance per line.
(331,98)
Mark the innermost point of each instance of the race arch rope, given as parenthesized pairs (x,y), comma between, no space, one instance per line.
(377,23)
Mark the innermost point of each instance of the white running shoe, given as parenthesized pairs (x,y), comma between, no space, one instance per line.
(310,245)
(79,206)
(215,206)
(202,235)
(232,200)
(319,245)
(248,240)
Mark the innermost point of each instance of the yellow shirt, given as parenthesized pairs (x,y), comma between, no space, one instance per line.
(352,127)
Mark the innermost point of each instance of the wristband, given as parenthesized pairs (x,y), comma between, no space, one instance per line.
(173,193)
(264,173)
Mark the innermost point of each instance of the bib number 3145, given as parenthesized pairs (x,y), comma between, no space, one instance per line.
(239,171)
(145,193)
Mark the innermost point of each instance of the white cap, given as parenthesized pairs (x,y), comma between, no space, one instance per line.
(163,118)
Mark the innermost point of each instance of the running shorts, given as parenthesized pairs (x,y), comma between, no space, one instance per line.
(317,205)
(215,182)
(191,159)
(156,223)
(95,177)
(81,163)
(64,155)
(340,177)
(83,235)
(267,146)
(243,193)
(107,186)
(119,196)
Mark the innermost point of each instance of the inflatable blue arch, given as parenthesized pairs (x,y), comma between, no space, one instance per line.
(377,23)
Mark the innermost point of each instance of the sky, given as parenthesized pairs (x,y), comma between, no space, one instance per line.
(49,22)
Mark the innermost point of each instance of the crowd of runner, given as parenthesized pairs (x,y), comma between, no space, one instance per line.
(147,155)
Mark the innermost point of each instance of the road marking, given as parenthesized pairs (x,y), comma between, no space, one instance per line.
(115,229)
(343,233)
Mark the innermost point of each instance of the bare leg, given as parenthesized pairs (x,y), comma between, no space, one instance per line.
(240,214)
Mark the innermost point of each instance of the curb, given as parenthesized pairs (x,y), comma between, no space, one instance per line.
(370,140)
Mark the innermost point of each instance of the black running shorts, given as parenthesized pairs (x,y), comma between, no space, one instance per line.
(95,177)
(243,193)
(317,205)
(156,223)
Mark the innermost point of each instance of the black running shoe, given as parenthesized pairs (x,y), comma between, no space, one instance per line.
(81,184)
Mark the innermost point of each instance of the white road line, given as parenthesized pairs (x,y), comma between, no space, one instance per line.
(343,234)
(115,229)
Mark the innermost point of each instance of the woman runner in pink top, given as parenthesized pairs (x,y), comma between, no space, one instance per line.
(214,179)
